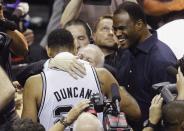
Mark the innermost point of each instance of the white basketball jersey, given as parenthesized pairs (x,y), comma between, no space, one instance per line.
(60,92)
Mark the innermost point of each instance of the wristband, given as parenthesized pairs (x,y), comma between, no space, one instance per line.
(63,121)
(147,123)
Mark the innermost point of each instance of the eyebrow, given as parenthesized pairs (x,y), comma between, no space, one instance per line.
(120,27)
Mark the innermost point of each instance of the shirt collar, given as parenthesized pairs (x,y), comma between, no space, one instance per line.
(145,46)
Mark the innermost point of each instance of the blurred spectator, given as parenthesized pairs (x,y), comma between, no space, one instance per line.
(28,124)
(162,11)
(33,87)
(71,116)
(147,58)
(25,125)
(81,32)
(6,90)
(12,41)
(89,13)
(7,111)
(105,38)
(171,113)
(87,122)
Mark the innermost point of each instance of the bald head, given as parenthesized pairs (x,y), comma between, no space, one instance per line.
(87,122)
(173,115)
(93,54)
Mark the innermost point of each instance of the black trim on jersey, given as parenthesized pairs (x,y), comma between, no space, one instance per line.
(96,79)
(44,89)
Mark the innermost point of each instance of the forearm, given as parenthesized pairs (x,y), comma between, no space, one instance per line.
(19,44)
(157,8)
(71,11)
(6,90)
(129,105)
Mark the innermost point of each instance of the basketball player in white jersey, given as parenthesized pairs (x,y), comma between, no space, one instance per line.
(51,94)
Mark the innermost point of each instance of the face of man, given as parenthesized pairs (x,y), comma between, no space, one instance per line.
(79,35)
(125,30)
(104,35)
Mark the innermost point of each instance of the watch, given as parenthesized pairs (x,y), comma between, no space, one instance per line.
(63,121)
(147,123)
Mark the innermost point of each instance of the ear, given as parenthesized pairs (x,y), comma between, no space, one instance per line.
(48,51)
(139,25)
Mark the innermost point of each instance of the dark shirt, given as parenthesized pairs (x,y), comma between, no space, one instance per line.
(144,66)
(30,70)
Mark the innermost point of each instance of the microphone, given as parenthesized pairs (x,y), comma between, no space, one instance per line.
(116,96)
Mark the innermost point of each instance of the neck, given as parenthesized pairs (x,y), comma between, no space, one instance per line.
(106,51)
(145,35)
(57,51)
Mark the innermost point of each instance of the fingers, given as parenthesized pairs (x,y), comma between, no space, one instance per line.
(157,100)
(77,69)
(83,104)
(72,74)
(80,67)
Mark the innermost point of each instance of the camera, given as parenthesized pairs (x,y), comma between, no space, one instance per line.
(167,90)
(97,2)
(16,14)
(113,120)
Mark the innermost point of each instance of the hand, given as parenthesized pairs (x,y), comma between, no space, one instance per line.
(76,111)
(155,111)
(180,85)
(17,85)
(29,35)
(69,63)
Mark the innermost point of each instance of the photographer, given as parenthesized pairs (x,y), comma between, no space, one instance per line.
(171,113)
(71,116)
(25,124)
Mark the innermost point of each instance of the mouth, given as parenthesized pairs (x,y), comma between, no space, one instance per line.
(123,41)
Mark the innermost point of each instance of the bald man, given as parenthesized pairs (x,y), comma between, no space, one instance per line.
(93,54)
(87,122)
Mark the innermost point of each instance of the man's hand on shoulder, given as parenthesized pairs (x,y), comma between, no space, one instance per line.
(69,63)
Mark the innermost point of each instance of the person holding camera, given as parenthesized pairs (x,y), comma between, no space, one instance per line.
(73,114)
(171,113)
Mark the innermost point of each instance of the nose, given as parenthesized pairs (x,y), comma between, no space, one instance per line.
(76,44)
(118,33)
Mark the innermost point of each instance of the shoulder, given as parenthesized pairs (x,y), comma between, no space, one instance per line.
(103,73)
(33,83)
(162,54)
(34,78)
(33,86)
